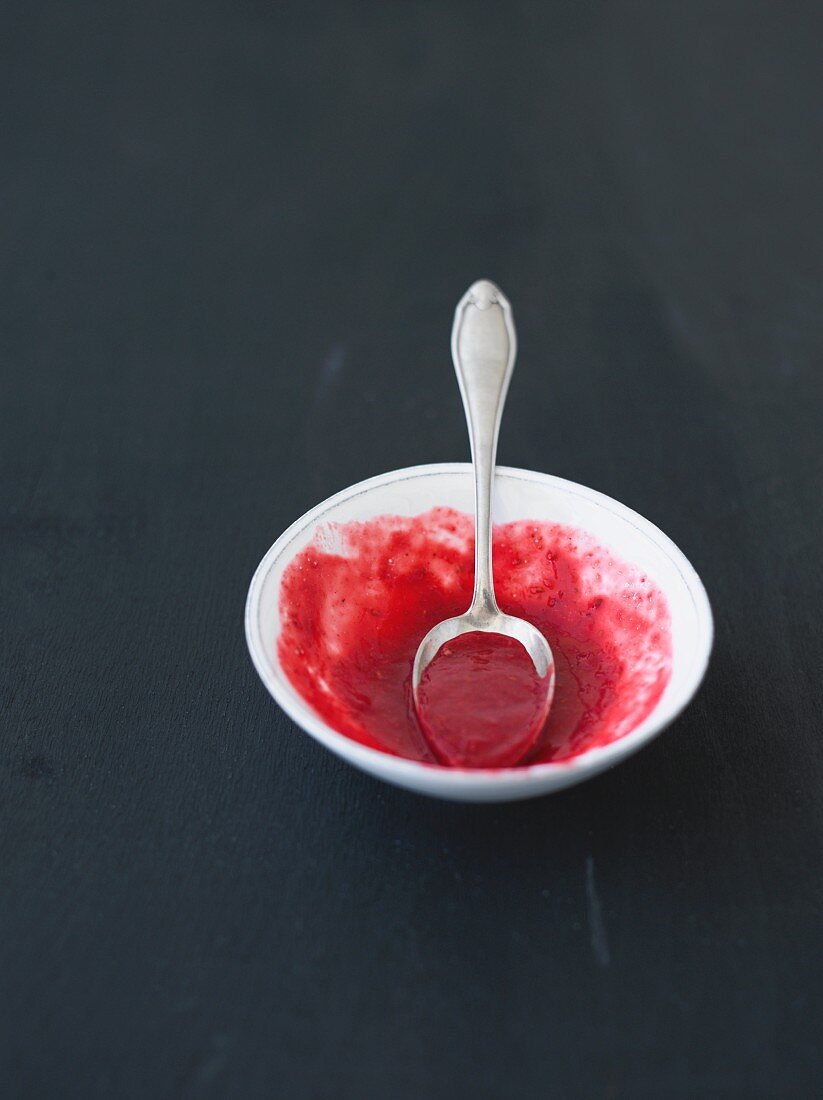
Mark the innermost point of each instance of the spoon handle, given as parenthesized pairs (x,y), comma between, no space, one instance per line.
(484,346)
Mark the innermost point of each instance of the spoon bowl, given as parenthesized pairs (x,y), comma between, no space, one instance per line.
(507,625)
(500,708)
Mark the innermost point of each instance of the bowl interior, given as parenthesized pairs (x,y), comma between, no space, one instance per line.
(519,494)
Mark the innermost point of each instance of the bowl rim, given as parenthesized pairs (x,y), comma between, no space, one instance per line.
(414,772)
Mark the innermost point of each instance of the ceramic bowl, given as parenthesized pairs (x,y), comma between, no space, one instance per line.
(519,494)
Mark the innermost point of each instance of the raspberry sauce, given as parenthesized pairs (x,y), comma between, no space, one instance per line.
(355,604)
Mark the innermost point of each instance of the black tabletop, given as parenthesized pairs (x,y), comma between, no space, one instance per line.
(233,238)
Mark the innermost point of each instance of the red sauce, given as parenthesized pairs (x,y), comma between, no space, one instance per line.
(480,702)
(356,603)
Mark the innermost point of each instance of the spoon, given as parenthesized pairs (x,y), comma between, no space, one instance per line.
(484,346)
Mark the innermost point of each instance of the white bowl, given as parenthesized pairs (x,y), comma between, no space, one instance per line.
(519,494)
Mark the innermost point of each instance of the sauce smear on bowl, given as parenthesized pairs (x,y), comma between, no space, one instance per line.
(355,603)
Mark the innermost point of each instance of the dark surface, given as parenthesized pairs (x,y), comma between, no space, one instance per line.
(233,236)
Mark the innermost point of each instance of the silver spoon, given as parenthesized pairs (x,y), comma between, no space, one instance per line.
(484,346)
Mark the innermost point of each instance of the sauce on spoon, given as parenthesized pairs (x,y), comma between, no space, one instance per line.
(480,702)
